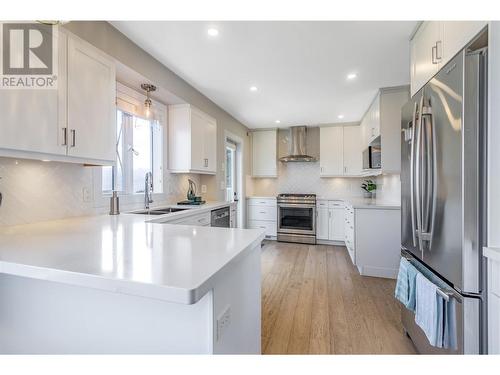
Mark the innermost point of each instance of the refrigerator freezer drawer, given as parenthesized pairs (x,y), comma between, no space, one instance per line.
(468,318)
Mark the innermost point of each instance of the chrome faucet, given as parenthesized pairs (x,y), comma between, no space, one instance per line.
(148,190)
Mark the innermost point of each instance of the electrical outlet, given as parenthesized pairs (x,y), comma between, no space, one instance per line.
(223,322)
(203,188)
(222,185)
(86,196)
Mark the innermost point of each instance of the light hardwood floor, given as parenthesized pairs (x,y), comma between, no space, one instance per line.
(315,302)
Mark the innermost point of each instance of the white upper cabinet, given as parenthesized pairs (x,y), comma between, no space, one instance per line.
(353,151)
(264,153)
(434,44)
(91,128)
(192,140)
(30,118)
(423,47)
(373,117)
(382,122)
(340,151)
(331,150)
(73,123)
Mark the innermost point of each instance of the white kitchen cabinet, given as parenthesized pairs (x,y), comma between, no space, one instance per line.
(336,228)
(382,123)
(329,220)
(493,257)
(91,129)
(31,119)
(192,140)
(264,153)
(322,221)
(331,149)
(373,116)
(262,213)
(349,237)
(456,35)
(434,44)
(353,151)
(341,151)
(423,50)
(73,123)
(377,241)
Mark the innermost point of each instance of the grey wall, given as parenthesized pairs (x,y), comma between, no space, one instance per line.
(105,37)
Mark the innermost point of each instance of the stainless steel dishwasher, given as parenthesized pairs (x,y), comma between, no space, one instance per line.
(220,218)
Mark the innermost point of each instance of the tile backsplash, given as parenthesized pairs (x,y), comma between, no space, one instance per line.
(305,178)
(37,191)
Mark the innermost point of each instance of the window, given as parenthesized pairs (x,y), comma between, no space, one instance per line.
(139,144)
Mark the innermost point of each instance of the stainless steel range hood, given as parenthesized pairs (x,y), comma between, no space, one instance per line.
(297,146)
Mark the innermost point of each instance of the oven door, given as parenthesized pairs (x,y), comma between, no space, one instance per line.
(296,219)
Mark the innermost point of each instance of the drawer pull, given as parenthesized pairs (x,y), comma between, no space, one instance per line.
(262,212)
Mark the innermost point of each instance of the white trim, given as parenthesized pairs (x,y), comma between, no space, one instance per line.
(159,110)
(240,151)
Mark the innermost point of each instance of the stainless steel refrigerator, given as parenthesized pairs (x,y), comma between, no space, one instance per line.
(443,192)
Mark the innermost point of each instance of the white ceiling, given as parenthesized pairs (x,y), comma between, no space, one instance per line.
(299,68)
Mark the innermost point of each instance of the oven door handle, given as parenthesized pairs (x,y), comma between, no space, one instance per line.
(296,205)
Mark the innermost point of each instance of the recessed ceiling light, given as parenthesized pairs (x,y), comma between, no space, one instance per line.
(277,121)
(253,88)
(351,75)
(340,116)
(213,31)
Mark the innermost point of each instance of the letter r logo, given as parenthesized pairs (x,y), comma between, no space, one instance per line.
(27,49)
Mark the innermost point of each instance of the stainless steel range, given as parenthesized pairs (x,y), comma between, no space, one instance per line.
(297,218)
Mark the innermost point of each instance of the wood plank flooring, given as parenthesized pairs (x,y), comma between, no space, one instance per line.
(315,302)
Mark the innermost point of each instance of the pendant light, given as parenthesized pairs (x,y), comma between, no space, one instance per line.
(148,103)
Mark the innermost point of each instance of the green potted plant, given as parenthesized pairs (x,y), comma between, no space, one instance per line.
(370,188)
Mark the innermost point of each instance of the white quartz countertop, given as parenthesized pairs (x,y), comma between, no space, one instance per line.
(365,202)
(125,254)
(188,210)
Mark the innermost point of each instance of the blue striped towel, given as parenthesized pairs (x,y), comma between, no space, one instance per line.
(405,285)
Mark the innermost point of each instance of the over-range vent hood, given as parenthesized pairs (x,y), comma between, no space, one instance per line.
(297,146)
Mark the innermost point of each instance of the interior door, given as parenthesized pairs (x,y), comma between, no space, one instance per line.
(91,102)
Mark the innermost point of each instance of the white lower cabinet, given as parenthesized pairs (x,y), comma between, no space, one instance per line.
(376,241)
(349,237)
(330,220)
(493,256)
(262,213)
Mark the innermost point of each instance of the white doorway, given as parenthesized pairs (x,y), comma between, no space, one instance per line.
(233,151)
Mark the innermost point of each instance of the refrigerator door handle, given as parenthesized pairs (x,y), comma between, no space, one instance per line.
(418,179)
(412,175)
(428,173)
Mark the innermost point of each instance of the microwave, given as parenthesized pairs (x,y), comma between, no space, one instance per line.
(372,158)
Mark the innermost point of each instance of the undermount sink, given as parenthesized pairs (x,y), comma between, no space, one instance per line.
(159,211)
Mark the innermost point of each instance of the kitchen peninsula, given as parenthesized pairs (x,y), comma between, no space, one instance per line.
(121,284)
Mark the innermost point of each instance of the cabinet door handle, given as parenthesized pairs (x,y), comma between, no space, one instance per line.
(434,52)
(206,162)
(73,137)
(438,51)
(65,137)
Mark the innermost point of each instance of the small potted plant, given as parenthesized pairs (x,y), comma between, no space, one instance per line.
(370,188)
